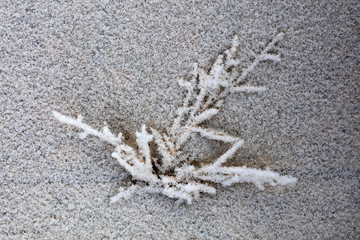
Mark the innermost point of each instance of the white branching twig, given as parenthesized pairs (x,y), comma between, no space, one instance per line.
(171,175)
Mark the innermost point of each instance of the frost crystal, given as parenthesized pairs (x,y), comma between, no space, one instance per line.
(171,175)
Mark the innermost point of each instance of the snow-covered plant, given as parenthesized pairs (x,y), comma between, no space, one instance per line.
(172,174)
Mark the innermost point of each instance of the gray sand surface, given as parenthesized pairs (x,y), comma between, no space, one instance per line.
(118,62)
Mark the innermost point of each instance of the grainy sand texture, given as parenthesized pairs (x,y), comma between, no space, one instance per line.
(119,61)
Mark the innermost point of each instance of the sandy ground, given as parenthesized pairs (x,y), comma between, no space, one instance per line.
(119,62)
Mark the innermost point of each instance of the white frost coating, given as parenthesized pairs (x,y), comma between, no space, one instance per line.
(227,176)
(215,135)
(165,151)
(271,57)
(134,165)
(143,139)
(218,75)
(223,158)
(207,114)
(106,135)
(124,193)
(164,170)
(189,86)
(248,89)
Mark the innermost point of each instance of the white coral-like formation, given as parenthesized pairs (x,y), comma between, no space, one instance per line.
(173,175)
